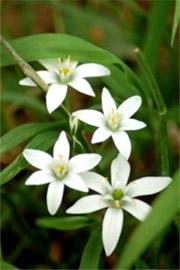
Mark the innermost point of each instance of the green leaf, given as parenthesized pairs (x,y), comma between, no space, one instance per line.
(24,132)
(176,21)
(41,141)
(42,46)
(92,251)
(64,223)
(7,266)
(164,209)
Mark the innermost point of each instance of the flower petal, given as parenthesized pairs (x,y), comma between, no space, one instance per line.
(112,227)
(54,196)
(82,86)
(87,205)
(123,143)
(38,158)
(61,147)
(90,117)
(137,208)
(75,181)
(130,106)
(83,162)
(40,178)
(92,70)
(48,76)
(50,64)
(96,182)
(55,96)
(131,124)
(108,103)
(120,170)
(147,186)
(101,134)
(27,81)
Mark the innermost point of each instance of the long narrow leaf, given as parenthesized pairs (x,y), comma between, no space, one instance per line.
(164,209)
(176,21)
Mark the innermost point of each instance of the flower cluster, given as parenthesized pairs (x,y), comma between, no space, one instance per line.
(61,170)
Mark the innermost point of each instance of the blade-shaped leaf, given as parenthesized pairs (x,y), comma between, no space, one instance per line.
(92,251)
(35,47)
(176,21)
(41,141)
(7,266)
(164,209)
(64,223)
(24,132)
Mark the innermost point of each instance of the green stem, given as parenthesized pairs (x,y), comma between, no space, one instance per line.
(27,69)
(162,110)
(102,146)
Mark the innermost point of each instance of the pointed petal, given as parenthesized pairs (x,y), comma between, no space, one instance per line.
(130,106)
(96,182)
(147,186)
(112,227)
(137,208)
(101,134)
(27,81)
(87,205)
(108,103)
(123,143)
(48,76)
(54,196)
(50,64)
(38,158)
(120,170)
(83,162)
(40,178)
(61,147)
(75,181)
(131,124)
(55,96)
(90,117)
(82,86)
(92,70)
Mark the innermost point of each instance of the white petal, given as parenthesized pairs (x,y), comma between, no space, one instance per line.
(54,196)
(90,117)
(108,103)
(120,170)
(38,158)
(101,134)
(112,227)
(50,64)
(75,181)
(96,182)
(83,162)
(88,204)
(92,70)
(61,147)
(48,76)
(82,86)
(123,143)
(147,186)
(131,124)
(27,81)
(130,106)
(40,178)
(55,96)
(137,208)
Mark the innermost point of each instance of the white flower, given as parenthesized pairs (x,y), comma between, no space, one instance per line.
(114,122)
(117,197)
(60,74)
(59,170)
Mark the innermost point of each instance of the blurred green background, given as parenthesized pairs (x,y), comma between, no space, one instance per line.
(119,27)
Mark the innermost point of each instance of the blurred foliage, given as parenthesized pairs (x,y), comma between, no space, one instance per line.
(118,27)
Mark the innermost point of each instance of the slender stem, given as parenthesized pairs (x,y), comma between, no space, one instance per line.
(162,110)
(27,69)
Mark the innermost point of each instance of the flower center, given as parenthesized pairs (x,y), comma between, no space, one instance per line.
(60,168)
(67,69)
(117,194)
(113,119)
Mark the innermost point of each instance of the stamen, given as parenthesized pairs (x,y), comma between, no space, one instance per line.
(59,60)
